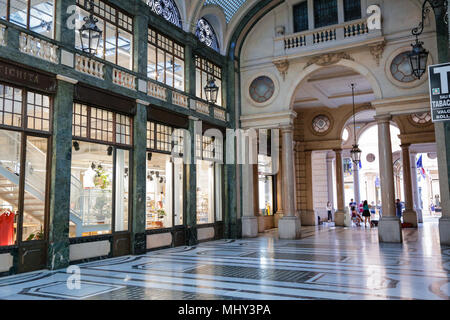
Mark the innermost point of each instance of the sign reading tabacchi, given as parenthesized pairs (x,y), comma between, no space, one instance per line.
(439,76)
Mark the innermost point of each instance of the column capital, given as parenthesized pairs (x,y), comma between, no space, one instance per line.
(383,118)
(405,145)
(338,151)
(287,129)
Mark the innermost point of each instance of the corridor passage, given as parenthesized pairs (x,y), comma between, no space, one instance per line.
(327,263)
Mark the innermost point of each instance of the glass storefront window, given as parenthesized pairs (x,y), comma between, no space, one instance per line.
(34,15)
(122,189)
(159,192)
(178,191)
(10,144)
(91,190)
(205,192)
(23,164)
(35,188)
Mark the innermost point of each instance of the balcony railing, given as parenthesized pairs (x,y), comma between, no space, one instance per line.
(124,79)
(38,48)
(350,33)
(2,35)
(156,91)
(89,66)
(180,99)
(202,107)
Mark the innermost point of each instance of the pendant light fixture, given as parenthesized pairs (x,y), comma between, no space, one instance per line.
(356,151)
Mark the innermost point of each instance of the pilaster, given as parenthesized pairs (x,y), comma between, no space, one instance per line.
(190,189)
(138,238)
(60,177)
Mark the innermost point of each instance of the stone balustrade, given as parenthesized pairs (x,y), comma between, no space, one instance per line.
(356,29)
(157,91)
(180,99)
(89,66)
(124,79)
(350,32)
(38,48)
(202,107)
(2,35)
(220,114)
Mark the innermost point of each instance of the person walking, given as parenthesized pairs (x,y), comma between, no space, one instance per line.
(366,213)
(329,208)
(398,208)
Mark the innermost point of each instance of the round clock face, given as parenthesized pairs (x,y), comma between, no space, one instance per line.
(262,89)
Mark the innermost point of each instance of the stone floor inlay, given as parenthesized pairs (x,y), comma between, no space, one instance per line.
(327,263)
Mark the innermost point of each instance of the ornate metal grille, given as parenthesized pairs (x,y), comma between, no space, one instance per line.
(205,33)
(352,10)
(325,13)
(301,16)
(166,9)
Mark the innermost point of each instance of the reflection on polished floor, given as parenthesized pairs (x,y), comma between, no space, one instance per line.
(327,263)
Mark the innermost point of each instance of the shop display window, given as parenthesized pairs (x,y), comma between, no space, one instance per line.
(116,45)
(209,155)
(164,178)
(100,183)
(34,15)
(165,60)
(24,132)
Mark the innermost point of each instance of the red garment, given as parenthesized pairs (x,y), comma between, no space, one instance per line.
(7,229)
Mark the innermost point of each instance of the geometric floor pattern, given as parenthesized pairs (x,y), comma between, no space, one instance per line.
(327,263)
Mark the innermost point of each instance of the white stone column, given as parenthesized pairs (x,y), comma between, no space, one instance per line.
(415,187)
(279,214)
(356,185)
(330,180)
(249,220)
(409,215)
(289,225)
(389,226)
(339,216)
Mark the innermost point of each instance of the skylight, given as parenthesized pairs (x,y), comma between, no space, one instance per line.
(230,7)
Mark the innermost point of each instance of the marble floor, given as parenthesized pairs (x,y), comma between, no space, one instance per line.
(327,263)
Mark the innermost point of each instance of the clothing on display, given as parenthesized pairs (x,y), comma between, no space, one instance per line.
(7,228)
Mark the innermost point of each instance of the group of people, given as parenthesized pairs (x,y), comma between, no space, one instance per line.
(360,211)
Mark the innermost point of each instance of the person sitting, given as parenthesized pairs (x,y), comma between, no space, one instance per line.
(356,218)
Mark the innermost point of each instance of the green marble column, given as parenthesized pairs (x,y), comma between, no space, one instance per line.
(58,240)
(140,44)
(190,188)
(65,21)
(189,69)
(138,237)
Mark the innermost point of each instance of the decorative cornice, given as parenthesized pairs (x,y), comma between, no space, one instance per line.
(66,79)
(328,59)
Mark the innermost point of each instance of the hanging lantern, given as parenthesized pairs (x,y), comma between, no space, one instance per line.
(356,154)
(211,91)
(356,151)
(418,58)
(90,34)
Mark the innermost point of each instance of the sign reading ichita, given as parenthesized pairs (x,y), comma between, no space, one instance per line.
(439,77)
